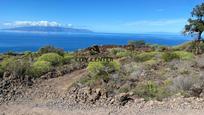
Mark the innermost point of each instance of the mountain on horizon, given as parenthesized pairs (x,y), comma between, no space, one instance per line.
(48,29)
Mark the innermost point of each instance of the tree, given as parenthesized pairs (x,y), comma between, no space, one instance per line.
(196,22)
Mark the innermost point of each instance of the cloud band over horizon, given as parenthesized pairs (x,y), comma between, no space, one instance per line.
(35,23)
(160,25)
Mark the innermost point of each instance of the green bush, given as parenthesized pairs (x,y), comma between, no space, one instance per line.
(10,53)
(5,63)
(168,56)
(184,46)
(100,71)
(103,67)
(145,56)
(137,43)
(17,67)
(201,47)
(95,67)
(39,68)
(68,58)
(114,51)
(51,49)
(53,58)
(122,54)
(150,90)
(184,55)
(1,71)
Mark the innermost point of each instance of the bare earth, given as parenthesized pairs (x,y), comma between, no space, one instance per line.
(36,103)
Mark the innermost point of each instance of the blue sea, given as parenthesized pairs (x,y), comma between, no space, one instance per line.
(24,41)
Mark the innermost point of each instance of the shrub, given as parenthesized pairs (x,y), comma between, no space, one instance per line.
(184,55)
(150,90)
(53,58)
(182,83)
(192,47)
(122,54)
(111,66)
(39,68)
(185,46)
(99,68)
(201,47)
(145,56)
(1,71)
(67,58)
(114,51)
(51,49)
(18,67)
(168,56)
(5,63)
(11,53)
(95,67)
(137,43)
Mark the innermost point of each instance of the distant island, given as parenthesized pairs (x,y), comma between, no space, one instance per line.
(48,29)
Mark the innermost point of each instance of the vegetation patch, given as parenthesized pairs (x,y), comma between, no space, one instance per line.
(150,90)
(103,67)
(122,54)
(39,68)
(51,49)
(168,56)
(68,58)
(184,55)
(54,58)
(137,43)
(145,56)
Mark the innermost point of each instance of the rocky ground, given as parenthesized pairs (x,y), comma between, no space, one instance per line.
(172,106)
(56,96)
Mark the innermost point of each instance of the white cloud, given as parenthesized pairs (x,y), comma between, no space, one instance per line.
(156,22)
(32,23)
(69,25)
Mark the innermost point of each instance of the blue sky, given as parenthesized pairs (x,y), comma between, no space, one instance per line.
(121,16)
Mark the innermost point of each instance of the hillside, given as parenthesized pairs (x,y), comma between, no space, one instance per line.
(138,78)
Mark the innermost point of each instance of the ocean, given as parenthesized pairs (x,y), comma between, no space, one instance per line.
(24,41)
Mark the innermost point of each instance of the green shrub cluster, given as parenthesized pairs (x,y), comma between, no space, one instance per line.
(101,71)
(122,54)
(1,71)
(51,49)
(39,68)
(137,43)
(101,67)
(18,67)
(68,58)
(184,55)
(54,58)
(168,56)
(150,90)
(145,56)
(114,51)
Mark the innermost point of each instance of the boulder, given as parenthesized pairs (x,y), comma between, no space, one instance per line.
(196,90)
(123,98)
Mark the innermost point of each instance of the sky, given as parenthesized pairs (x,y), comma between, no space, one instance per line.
(111,16)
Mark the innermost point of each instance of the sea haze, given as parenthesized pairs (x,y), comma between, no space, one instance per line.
(27,41)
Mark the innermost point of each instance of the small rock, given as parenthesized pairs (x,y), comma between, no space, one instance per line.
(98,91)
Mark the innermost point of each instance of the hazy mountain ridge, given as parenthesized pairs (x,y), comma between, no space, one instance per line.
(49,29)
